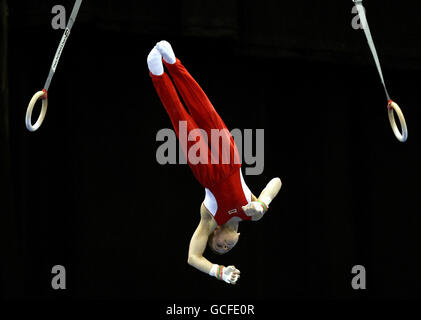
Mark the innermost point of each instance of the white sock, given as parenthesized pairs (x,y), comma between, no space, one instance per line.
(166,51)
(155,62)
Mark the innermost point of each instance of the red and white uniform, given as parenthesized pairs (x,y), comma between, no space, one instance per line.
(226,191)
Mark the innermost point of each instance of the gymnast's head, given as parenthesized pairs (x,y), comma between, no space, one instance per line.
(223,239)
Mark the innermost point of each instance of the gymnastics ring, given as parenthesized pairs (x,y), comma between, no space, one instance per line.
(393,106)
(39,95)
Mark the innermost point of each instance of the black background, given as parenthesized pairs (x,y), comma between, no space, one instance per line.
(85,191)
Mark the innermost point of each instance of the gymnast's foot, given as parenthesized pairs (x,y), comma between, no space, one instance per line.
(155,62)
(166,51)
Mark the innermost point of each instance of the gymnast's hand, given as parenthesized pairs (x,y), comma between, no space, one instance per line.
(228,274)
(231,275)
(254,208)
(257,208)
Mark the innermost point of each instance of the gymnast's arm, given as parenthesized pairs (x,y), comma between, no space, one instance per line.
(198,244)
(257,208)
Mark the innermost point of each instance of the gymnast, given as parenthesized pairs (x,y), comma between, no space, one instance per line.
(228,200)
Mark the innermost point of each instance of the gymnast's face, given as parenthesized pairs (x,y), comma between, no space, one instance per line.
(223,239)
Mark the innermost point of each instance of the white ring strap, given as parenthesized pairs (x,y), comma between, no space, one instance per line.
(53,67)
(391,105)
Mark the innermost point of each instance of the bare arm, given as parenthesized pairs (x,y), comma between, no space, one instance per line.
(270,191)
(259,206)
(198,244)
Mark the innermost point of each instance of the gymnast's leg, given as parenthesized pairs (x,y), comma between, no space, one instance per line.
(200,107)
(177,113)
(195,98)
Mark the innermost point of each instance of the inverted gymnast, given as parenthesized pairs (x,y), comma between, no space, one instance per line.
(228,200)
